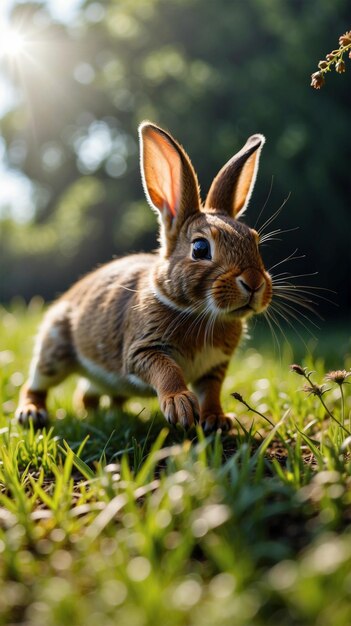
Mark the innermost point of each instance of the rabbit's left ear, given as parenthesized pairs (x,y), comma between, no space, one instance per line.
(169,178)
(231,190)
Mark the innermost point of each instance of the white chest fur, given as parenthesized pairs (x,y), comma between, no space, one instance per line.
(202,362)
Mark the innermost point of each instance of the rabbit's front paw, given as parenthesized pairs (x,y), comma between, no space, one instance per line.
(181,408)
(213,421)
(32,413)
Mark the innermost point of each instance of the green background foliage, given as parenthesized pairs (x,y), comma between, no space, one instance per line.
(211,72)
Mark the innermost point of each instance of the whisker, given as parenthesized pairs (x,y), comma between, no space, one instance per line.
(203,319)
(285,317)
(289,285)
(126,288)
(214,319)
(289,312)
(178,321)
(300,292)
(265,202)
(286,276)
(279,327)
(306,304)
(296,314)
(209,325)
(290,257)
(274,216)
(300,297)
(278,231)
(267,317)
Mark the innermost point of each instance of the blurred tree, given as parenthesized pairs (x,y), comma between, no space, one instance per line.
(213,73)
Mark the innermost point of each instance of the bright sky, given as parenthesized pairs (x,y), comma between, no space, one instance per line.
(16,192)
(62,10)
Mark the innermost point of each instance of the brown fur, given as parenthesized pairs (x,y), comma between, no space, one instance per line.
(152,323)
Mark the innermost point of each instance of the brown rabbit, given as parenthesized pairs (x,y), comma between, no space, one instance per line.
(150,324)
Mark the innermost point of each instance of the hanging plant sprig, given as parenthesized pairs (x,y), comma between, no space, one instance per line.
(333,60)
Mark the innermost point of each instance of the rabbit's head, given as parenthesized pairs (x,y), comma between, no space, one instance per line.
(209,260)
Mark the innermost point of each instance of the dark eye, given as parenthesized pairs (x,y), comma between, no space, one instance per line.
(201,249)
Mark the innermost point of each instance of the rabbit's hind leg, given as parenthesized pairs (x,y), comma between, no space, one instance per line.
(87,395)
(53,360)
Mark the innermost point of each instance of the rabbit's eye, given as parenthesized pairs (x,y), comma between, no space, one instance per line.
(201,249)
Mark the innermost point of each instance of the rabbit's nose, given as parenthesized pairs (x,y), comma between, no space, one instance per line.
(250,281)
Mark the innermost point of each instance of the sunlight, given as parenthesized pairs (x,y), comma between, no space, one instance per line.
(16,196)
(12,42)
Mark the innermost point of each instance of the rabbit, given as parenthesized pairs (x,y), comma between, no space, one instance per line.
(150,324)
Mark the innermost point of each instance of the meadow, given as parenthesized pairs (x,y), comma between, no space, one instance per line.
(115,518)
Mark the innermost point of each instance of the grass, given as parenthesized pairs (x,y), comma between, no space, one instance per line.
(114,519)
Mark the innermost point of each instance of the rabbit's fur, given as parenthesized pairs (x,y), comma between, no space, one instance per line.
(150,324)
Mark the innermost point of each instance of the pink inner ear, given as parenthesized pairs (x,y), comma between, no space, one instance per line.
(245,183)
(162,172)
(169,208)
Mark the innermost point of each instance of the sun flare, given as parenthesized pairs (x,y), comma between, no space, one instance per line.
(12,42)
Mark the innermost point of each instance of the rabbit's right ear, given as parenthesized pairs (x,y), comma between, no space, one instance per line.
(231,190)
(169,180)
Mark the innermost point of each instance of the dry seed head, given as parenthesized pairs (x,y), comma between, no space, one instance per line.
(317,80)
(237,396)
(314,390)
(345,39)
(301,371)
(338,376)
(340,67)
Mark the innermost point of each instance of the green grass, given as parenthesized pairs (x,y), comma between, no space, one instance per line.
(114,519)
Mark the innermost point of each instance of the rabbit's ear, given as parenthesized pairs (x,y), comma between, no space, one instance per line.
(232,188)
(168,176)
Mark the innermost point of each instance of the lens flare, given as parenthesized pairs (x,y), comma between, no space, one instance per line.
(12,43)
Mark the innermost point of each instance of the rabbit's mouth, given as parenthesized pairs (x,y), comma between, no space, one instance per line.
(246,311)
(242,311)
